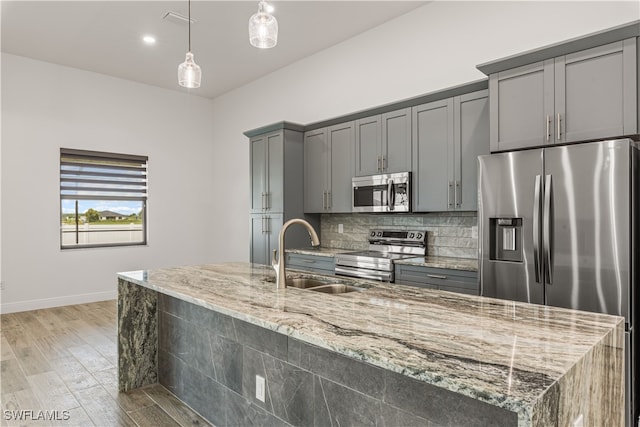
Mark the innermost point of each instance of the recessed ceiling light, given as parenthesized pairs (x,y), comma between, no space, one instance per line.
(149,39)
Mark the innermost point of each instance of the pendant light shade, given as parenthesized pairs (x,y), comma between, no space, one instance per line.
(263,27)
(189,73)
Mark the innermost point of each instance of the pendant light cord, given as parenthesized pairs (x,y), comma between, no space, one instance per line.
(189,25)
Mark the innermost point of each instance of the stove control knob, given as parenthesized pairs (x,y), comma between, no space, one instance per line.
(419,236)
(411,235)
(373,234)
(379,233)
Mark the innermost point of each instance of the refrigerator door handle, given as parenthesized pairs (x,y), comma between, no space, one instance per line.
(536,229)
(547,238)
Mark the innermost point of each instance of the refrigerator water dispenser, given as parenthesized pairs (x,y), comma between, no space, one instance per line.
(506,239)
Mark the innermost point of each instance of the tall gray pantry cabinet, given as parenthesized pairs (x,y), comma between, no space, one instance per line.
(276,188)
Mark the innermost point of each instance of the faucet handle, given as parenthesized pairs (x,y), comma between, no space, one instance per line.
(274,259)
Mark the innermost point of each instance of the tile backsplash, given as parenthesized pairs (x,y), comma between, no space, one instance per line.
(451,234)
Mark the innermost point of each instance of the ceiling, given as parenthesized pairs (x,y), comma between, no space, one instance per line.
(106,36)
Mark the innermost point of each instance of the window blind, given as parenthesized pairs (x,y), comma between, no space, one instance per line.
(94,175)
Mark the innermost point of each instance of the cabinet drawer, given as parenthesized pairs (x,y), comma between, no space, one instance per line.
(314,263)
(439,278)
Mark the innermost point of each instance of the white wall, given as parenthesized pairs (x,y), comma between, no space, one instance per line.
(47,106)
(431,48)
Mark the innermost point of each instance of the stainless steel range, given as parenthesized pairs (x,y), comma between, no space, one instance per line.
(385,247)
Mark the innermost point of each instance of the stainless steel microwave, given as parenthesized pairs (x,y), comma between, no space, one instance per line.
(382,193)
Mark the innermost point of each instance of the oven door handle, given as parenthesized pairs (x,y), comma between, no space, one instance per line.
(391,195)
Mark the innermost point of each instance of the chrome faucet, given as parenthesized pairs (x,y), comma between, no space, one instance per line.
(279,255)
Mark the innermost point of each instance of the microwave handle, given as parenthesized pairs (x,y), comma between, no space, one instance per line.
(391,195)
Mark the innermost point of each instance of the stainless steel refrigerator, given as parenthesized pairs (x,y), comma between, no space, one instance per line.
(559,226)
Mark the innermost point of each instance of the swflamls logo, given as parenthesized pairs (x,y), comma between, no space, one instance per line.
(31,415)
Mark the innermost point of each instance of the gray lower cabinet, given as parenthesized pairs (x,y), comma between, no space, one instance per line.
(264,237)
(586,95)
(276,193)
(448,137)
(383,143)
(465,282)
(312,263)
(328,168)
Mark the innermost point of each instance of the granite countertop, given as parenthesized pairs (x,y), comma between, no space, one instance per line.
(500,352)
(427,261)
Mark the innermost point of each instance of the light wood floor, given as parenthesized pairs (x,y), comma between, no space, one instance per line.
(64,359)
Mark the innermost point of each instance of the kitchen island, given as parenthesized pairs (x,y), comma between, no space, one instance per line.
(388,355)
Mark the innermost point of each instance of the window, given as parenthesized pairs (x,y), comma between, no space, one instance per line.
(103,199)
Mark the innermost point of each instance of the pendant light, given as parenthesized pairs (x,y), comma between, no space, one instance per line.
(263,27)
(189,73)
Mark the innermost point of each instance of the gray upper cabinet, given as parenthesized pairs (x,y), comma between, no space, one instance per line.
(590,94)
(328,168)
(471,139)
(267,172)
(448,136)
(432,137)
(316,170)
(368,136)
(595,94)
(383,143)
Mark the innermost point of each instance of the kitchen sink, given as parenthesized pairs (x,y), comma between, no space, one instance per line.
(305,282)
(324,286)
(336,288)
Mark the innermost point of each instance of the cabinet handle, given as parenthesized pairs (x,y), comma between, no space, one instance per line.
(384,162)
(328,200)
(262,201)
(559,133)
(324,200)
(262,219)
(436,276)
(309,261)
(267,221)
(379,168)
(548,128)
(458,195)
(267,200)
(449,191)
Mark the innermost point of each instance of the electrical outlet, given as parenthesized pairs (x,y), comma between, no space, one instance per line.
(579,421)
(260,388)
(340,228)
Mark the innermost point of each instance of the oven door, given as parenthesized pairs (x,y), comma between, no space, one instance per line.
(382,193)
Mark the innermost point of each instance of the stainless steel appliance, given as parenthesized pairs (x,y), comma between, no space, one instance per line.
(385,246)
(559,226)
(382,193)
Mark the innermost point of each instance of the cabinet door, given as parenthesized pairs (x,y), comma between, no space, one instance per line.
(258,247)
(396,141)
(521,106)
(432,137)
(258,178)
(341,139)
(471,136)
(275,172)
(368,159)
(316,153)
(595,93)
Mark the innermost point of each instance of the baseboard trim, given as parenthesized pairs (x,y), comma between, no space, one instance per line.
(36,304)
